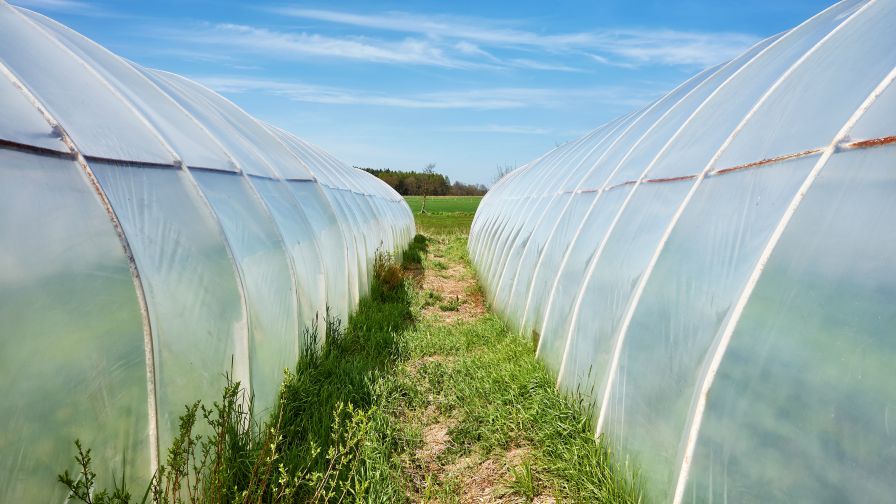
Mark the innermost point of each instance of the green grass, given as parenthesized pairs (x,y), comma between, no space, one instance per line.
(444,204)
(483,381)
(452,304)
(444,214)
(444,224)
(397,406)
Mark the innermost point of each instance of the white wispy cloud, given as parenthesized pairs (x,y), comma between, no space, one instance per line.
(540,65)
(65,6)
(494,33)
(476,99)
(56,5)
(673,47)
(340,96)
(471,49)
(502,129)
(460,42)
(243,39)
(631,45)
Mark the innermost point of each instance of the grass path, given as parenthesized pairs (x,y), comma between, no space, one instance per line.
(480,416)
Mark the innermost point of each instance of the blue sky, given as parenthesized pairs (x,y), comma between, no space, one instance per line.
(466,85)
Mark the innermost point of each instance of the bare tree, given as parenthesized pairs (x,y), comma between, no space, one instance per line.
(428,175)
(501,172)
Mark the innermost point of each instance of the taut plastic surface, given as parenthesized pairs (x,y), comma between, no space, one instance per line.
(710,273)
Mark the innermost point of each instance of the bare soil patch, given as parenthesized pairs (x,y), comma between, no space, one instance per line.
(461,298)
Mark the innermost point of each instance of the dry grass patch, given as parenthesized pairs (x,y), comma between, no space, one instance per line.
(455,292)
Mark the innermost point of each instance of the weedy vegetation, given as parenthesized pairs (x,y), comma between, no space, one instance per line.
(452,304)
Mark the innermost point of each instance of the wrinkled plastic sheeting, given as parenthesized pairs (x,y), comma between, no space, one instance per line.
(73,364)
(195,307)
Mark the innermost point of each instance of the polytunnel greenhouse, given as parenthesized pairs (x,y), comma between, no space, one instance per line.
(153,236)
(714,273)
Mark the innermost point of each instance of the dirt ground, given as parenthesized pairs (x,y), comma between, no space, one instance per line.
(456,291)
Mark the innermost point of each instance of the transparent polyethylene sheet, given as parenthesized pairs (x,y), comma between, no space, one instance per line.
(238,148)
(308,158)
(341,295)
(531,250)
(198,321)
(21,123)
(672,118)
(270,289)
(877,122)
(832,82)
(638,162)
(607,292)
(544,210)
(192,145)
(515,248)
(806,385)
(345,202)
(109,128)
(697,279)
(564,210)
(569,272)
(302,246)
(630,270)
(701,138)
(606,164)
(255,141)
(73,363)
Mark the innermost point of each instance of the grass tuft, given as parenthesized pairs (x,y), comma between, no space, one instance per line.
(412,258)
(451,305)
(522,482)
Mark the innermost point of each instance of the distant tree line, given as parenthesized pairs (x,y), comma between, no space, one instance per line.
(425,183)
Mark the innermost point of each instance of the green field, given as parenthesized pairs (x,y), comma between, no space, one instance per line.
(444,204)
(444,214)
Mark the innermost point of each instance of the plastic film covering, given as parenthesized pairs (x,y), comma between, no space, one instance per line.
(569,198)
(243,130)
(711,276)
(21,123)
(301,246)
(111,129)
(589,210)
(258,250)
(703,268)
(330,199)
(73,359)
(178,129)
(153,236)
(808,376)
(342,291)
(198,321)
(557,195)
